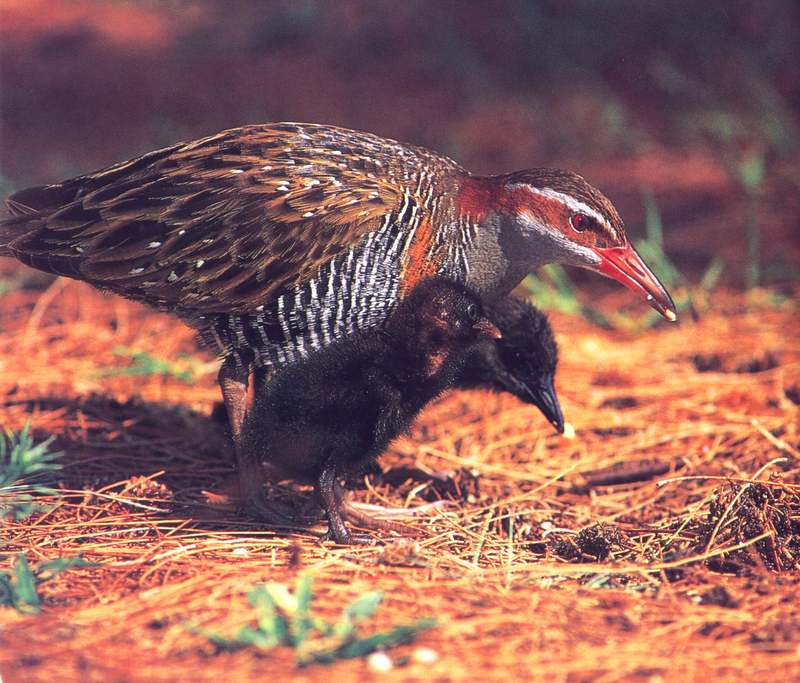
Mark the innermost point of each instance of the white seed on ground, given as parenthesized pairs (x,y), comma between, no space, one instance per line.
(569,431)
(380,662)
(240,551)
(424,655)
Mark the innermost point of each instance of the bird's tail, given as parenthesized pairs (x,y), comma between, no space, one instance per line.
(10,229)
(23,207)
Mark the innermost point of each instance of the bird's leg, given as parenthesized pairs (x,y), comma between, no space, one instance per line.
(326,490)
(233,378)
(254,502)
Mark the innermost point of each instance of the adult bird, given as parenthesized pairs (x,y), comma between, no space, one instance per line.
(278,238)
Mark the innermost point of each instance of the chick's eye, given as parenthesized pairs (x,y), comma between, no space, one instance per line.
(472,312)
(581,222)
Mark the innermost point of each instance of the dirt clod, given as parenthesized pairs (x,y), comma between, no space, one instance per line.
(718,595)
(594,543)
(739,513)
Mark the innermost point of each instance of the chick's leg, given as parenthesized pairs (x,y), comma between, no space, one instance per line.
(326,490)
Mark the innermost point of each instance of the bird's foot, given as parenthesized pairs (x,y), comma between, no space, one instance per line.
(338,531)
(347,537)
(269,512)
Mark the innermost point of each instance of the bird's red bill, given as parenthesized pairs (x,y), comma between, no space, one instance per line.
(626,266)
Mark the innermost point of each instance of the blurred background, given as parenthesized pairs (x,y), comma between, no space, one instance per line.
(685,113)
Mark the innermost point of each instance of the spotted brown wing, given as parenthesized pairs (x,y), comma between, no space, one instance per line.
(221,224)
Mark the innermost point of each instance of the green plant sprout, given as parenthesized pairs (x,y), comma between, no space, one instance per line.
(19,587)
(24,466)
(144,363)
(651,247)
(285,618)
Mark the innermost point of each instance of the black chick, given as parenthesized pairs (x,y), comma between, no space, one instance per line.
(523,361)
(332,413)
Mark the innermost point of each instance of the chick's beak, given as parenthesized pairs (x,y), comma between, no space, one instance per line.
(544,397)
(626,266)
(487,327)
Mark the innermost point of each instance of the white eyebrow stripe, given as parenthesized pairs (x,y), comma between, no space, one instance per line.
(572,204)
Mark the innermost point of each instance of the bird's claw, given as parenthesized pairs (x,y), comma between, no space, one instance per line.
(348,538)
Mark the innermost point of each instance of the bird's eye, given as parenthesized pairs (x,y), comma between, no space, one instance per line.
(581,222)
(472,312)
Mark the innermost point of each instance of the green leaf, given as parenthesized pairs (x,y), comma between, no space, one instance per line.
(23,468)
(221,642)
(247,635)
(652,219)
(301,620)
(25,588)
(21,590)
(269,618)
(751,172)
(552,289)
(51,568)
(144,363)
(363,607)
(359,609)
(712,275)
(385,639)
(6,590)
(364,646)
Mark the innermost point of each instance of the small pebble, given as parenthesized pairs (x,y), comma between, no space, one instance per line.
(424,655)
(380,662)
